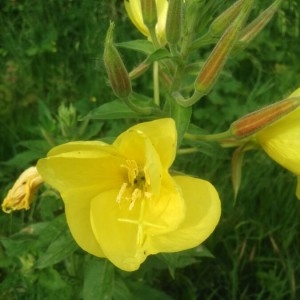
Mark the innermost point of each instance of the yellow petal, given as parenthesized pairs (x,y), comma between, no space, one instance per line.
(91,148)
(162,10)
(167,211)
(77,209)
(281,141)
(125,234)
(162,134)
(122,241)
(80,171)
(82,164)
(295,93)
(136,146)
(134,11)
(203,211)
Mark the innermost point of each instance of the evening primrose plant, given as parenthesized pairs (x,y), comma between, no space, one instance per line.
(124,201)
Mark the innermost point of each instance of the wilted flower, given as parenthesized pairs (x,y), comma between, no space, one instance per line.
(21,194)
(281,141)
(134,11)
(122,203)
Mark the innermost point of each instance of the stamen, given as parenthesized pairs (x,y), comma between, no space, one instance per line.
(121,192)
(137,194)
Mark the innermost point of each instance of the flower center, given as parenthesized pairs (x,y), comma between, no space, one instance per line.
(137,185)
(136,188)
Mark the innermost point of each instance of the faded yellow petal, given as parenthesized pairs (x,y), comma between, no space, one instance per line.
(203,209)
(162,134)
(117,231)
(21,194)
(82,164)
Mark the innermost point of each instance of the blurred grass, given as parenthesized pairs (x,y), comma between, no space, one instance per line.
(51,53)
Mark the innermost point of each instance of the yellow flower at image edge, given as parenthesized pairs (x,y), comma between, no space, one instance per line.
(120,200)
(281,141)
(134,11)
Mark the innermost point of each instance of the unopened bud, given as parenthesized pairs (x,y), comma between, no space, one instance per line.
(255,121)
(215,62)
(219,25)
(116,70)
(251,30)
(174,20)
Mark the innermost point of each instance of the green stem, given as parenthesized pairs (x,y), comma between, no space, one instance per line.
(154,37)
(141,110)
(173,50)
(189,101)
(156,83)
(209,137)
(187,151)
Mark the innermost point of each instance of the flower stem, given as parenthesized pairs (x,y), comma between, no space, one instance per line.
(156,83)
(208,137)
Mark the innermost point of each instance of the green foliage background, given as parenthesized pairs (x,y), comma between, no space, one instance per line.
(53,74)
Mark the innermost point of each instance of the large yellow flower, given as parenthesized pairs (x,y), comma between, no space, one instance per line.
(281,141)
(122,203)
(134,11)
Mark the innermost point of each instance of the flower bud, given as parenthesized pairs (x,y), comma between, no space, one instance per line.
(255,121)
(226,18)
(251,30)
(174,20)
(116,70)
(215,62)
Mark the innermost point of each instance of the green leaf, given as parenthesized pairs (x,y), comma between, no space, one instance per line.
(38,146)
(112,110)
(143,291)
(98,280)
(50,279)
(158,55)
(51,231)
(143,46)
(184,258)
(58,250)
(57,240)
(121,290)
(119,110)
(23,159)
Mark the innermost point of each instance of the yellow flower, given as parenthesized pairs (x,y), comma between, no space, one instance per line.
(134,11)
(281,141)
(21,194)
(120,200)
